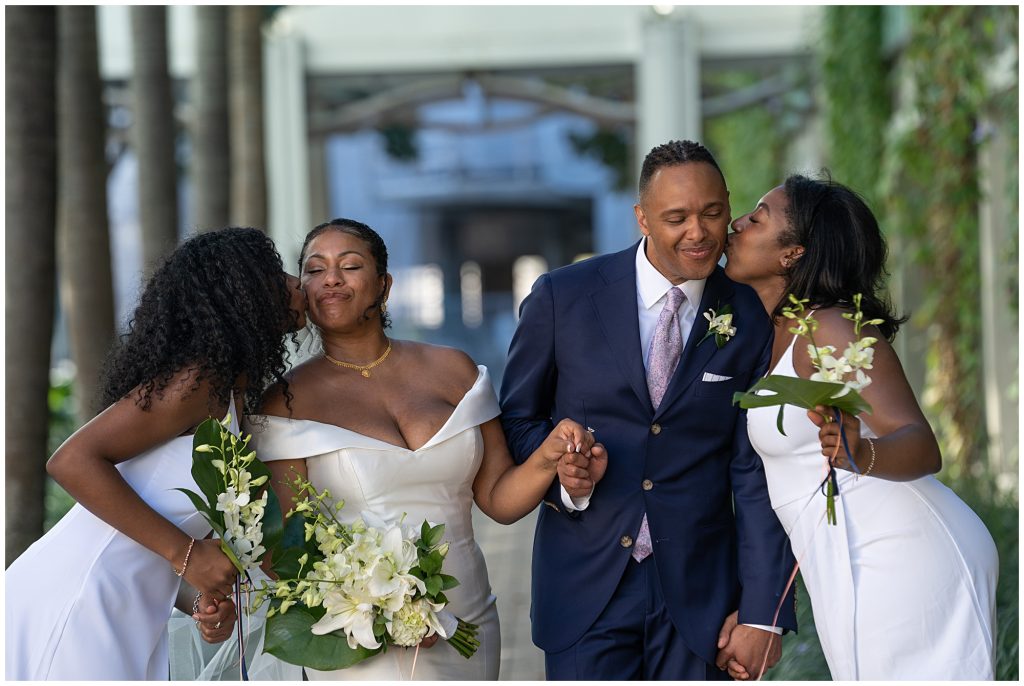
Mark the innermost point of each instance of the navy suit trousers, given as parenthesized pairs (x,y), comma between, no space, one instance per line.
(632,639)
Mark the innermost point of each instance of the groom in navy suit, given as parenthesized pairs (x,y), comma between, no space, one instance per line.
(642,558)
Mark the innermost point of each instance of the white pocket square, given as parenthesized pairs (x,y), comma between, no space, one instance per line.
(708,376)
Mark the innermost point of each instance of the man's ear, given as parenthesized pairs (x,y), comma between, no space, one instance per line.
(641,219)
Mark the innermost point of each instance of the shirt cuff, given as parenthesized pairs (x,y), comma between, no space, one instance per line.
(573,504)
(774,629)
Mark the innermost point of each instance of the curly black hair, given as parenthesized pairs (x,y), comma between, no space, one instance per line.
(378,250)
(671,154)
(218,304)
(844,250)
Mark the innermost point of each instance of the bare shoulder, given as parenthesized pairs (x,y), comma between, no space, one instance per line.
(301,379)
(450,366)
(186,392)
(185,401)
(837,330)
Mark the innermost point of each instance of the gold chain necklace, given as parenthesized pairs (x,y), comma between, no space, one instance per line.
(363,369)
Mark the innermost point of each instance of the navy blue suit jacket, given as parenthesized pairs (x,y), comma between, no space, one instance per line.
(717,543)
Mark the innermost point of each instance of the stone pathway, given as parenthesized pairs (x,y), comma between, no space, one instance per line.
(508,551)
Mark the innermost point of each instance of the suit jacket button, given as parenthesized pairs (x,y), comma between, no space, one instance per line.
(647,484)
(655,429)
(625,541)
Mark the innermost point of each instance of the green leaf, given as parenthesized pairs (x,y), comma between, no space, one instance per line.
(434,535)
(448,581)
(431,564)
(285,562)
(433,585)
(226,549)
(199,504)
(207,477)
(288,637)
(294,532)
(803,393)
(273,519)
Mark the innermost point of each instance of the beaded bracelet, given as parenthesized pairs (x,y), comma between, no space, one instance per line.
(184,565)
(871,465)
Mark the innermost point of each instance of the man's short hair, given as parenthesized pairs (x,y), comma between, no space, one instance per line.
(673,153)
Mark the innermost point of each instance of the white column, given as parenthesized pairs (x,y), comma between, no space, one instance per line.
(999,331)
(667,82)
(286,139)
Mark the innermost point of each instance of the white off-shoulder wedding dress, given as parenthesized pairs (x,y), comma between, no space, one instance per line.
(433,482)
(85,602)
(903,586)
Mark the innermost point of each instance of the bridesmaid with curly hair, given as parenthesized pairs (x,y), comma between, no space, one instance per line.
(91,598)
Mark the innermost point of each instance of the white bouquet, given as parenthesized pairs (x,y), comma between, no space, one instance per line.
(345,592)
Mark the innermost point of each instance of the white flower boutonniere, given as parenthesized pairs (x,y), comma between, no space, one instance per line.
(719,325)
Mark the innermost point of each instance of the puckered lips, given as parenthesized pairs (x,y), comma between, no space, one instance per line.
(329,297)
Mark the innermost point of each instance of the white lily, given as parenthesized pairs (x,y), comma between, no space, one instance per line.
(355,619)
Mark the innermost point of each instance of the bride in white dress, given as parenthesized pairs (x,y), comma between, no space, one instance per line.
(91,598)
(903,586)
(401,428)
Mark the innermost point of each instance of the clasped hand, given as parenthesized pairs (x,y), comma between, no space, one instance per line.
(579,460)
(741,649)
(215,618)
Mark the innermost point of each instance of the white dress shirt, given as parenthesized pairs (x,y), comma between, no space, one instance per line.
(651,296)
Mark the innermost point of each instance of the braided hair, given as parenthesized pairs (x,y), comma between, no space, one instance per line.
(219,304)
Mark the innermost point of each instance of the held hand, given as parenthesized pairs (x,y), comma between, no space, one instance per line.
(215,619)
(209,570)
(430,641)
(828,434)
(725,661)
(574,437)
(744,651)
(579,473)
(567,437)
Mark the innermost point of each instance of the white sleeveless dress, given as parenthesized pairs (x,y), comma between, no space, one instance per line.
(903,587)
(434,482)
(85,602)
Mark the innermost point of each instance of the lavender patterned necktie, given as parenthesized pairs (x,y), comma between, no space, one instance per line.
(662,360)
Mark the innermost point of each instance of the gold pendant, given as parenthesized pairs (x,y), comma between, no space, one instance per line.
(365,373)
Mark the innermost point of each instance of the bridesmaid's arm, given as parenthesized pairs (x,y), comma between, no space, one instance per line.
(506,492)
(85,467)
(906,448)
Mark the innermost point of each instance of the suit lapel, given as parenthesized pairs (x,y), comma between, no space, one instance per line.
(696,354)
(615,306)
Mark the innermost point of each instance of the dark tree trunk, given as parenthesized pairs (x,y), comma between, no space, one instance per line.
(83,246)
(248,172)
(154,134)
(31,209)
(211,153)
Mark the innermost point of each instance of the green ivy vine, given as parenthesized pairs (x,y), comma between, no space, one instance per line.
(932,197)
(856,85)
